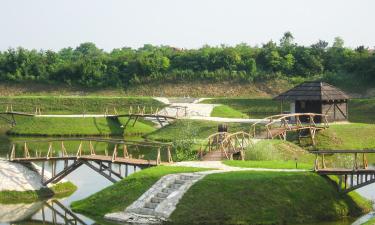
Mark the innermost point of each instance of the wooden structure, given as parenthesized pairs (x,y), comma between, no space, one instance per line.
(224,145)
(277,126)
(350,178)
(134,113)
(317,97)
(101,163)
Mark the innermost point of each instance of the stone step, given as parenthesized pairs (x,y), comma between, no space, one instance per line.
(146,211)
(188,177)
(162,195)
(150,205)
(178,181)
(156,200)
(167,190)
(175,186)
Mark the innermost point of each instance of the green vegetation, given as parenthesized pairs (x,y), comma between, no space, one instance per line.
(269,164)
(370,222)
(46,126)
(227,112)
(198,129)
(278,150)
(360,110)
(254,107)
(347,136)
(89,66)
(77,104)
(120,195)
(59,190)
(265,198)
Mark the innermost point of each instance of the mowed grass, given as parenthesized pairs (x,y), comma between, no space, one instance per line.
(76,104)
(269,164)
(44,126)
(195,129)
(360,110)
(253,107)
(120,195)
(265,198)
(59,190)
(227,112)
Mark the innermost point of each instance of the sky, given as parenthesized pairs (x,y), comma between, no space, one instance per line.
(55,24)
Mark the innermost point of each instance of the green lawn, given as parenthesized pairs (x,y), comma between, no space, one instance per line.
(370,222)
(265,198)
(227,112)
(360,110)
(269,164)
(59,190)
(77,127)
(76,104)
(120,195)
(192,129)
(278,150)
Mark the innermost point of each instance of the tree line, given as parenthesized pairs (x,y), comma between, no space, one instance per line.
(90,66)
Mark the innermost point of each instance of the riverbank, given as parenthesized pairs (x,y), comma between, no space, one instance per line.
(21,184)
(228,198)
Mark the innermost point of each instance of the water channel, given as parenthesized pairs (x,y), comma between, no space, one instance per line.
(57,211)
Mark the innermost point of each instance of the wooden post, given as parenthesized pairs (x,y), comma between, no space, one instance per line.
(355,161)
(158,160)
(92,150)
(114,155)
(170,160)
(316,166)
(26,151)
(125,151)
(43,166)
(13,152)
(79,151)
(49,153)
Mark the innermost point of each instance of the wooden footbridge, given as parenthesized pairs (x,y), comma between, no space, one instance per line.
(224,145)
(352,172)
(133,113)
(277,126)
(98,160)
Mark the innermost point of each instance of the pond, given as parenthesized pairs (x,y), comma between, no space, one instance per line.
(57,211)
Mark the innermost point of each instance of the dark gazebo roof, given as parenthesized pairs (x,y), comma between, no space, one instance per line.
(313,90)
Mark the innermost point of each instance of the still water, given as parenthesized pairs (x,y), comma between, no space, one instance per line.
(57,211)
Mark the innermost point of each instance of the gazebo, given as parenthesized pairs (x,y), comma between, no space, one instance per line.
(317,97)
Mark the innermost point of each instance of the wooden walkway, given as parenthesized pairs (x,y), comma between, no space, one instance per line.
(359,175)
(305,124)
(101,163)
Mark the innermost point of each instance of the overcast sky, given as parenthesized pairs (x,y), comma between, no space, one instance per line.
(54,24)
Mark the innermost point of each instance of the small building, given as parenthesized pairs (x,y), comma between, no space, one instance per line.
(317,97)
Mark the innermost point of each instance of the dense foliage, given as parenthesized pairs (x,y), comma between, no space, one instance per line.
(89,66)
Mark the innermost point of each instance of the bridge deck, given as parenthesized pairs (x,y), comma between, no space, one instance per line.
(345,171)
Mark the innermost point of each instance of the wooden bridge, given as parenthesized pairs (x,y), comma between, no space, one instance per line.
(305,124)
(99,161)
(136,112)
(350,178)
(224,145)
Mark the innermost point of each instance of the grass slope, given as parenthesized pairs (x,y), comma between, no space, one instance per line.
(196,128)
(76,127)
(265,198)
(227,112)
(360,110)
(120,195)
(59,190)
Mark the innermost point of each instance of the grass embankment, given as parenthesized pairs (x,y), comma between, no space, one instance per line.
(120,195)
(195,129)
(370,222)
(39,126)
(265,198)
(227,112)
(59,190)
(76,104)
(360,110)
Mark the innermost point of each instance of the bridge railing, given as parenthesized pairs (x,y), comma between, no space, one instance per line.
(289,122)
(53,149)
